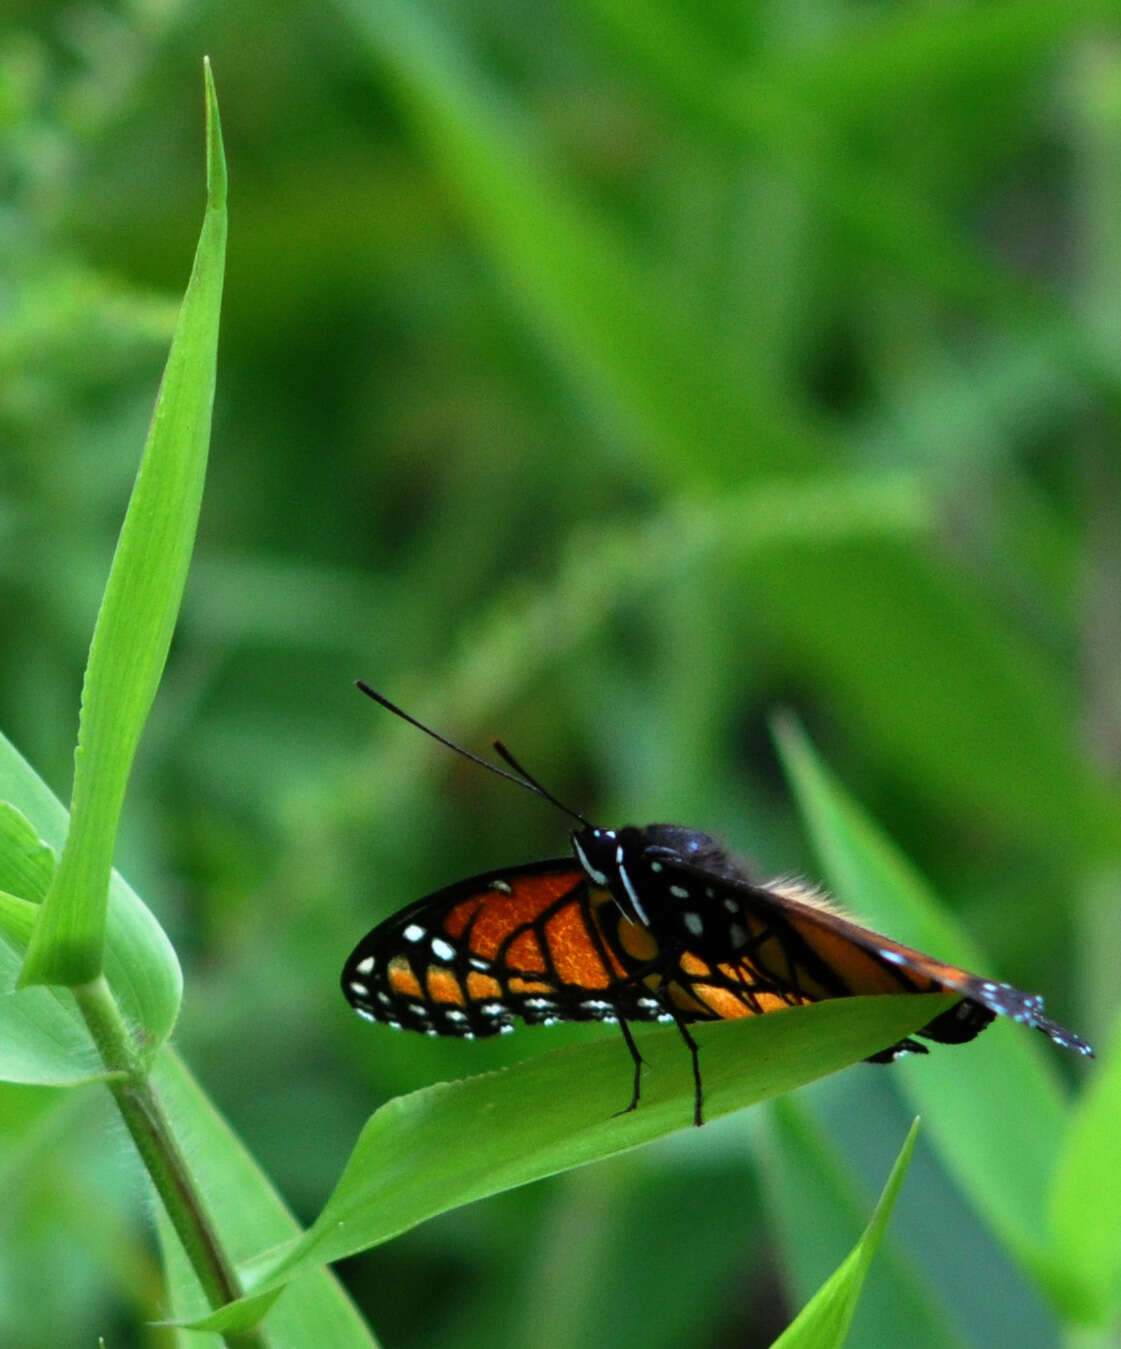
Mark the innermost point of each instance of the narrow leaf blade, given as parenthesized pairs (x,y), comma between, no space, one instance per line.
(134,625)
(450,1144)
(993,1108)
(824,1321)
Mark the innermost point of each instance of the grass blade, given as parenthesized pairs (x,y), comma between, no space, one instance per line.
(824,1321)
(138,612)
(994,1107)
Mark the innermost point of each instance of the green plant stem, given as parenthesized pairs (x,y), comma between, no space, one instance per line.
(151,1131)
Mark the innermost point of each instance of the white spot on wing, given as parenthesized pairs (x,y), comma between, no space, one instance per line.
(364,966)
(442,950)
(414,932)
(694,922)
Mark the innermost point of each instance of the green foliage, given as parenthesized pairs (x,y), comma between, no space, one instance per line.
(603,377)
(823,1323)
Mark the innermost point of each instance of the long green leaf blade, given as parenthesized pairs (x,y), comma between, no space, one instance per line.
(1085,1200)
(994,1108)
(450,1144)
(138,612)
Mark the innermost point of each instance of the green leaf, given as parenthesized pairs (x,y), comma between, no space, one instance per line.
(249,1216)
(43,1041)
(810,1188)
(450,1144)
(993,1108)
(823,1323)
(26,863)
(137,616)
(42,1038)
(1085,1207)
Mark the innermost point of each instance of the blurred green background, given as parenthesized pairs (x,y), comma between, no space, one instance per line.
(601,376)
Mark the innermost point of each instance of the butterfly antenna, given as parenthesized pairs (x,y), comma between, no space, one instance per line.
(524,780)
(530,781)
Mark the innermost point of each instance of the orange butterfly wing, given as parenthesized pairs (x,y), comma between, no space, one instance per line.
(526,941)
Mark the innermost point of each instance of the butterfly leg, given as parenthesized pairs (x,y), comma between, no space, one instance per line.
(638,1062)
(698,1090)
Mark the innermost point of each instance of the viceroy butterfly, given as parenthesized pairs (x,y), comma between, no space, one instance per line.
(657,923)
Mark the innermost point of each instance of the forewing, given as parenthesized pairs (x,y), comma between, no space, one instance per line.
(524,941)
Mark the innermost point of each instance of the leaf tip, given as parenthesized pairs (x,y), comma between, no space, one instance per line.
(215,153)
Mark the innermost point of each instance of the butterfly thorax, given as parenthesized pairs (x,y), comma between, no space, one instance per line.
(667,878)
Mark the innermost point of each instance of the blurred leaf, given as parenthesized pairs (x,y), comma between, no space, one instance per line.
(795,110)
(824,1321)
(1085,1207)
(523,632)
(580,283)
(811,1190)
(448,1145)
(704,418)
(249,1217)
(993,1107)
(137,616)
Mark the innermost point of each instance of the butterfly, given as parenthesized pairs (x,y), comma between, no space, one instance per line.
(653,923)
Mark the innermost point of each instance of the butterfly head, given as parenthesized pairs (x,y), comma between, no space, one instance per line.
(629,862)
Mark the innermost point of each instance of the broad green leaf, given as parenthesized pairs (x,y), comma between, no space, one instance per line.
(993,1108)
(42,1038)
(810,1187)
(1085,1207)
(26,862)
(248,1216)
(137,616)
(824,1321)
(450,1144)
